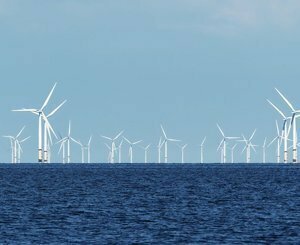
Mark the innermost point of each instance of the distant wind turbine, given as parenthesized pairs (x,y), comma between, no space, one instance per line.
(131,144)
(165,143)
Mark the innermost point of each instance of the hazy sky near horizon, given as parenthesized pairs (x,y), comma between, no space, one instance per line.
(133,65)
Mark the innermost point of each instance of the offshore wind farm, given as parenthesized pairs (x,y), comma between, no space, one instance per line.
(149,122)
(286,141)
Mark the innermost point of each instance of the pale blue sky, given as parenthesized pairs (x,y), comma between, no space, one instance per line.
(135,64)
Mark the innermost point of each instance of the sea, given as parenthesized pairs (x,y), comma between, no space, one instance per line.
(149,203)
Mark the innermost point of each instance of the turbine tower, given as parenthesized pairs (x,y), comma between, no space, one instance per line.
(223,144)
(264,150)
(165,143)
(278,138)
(201,150)
(182,152)
(119,148)
(159,146)
(146,152)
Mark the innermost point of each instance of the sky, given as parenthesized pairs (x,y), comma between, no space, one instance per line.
(133,65)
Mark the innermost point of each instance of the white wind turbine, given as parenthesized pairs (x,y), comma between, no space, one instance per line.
(201,150)
(41,117)
(248,146)
(131,144)
(182,152)
(113,145)
(146,152)
(284,134)
(83,149)
(165,143)
(278,138)
(20,150)
(16,145)
(293,124)
(68,140)
(224,144)
(264,150)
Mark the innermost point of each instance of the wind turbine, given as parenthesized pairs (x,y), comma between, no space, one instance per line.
(182,152)
(201,150)
(284,135)
(278,138)
(165,143)
(264,150)
(113,145)
(292,124)
(68,140)
(224,143)
(146,152)
(131,144)
(248,146)
(41,116)
(16,145)
(83,149)
(20,150)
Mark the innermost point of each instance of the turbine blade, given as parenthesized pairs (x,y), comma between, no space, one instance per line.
(27,138)
(173,140)
(25,110)
(277,128)
(76,141)
(221,130)
(276,108)
(272,141)
(285,99)
(164,133)
(56,109)
(49,125)
(90,140)
(119,135)
(48,98)
(127,140)
(220,145)
(137,142)
(105,137)
(252,135)
(20,132)
(69,133)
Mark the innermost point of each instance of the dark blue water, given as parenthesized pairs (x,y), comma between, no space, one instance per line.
(150,204)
